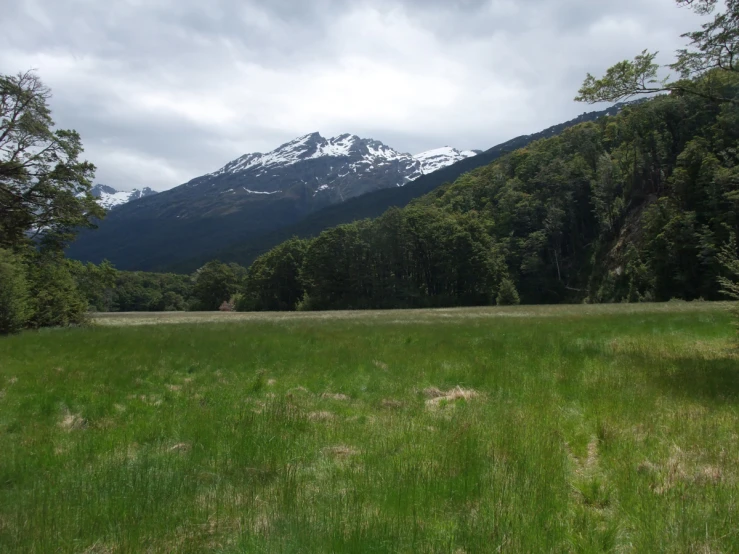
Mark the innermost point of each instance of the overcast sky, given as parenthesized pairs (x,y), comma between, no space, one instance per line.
(165,90)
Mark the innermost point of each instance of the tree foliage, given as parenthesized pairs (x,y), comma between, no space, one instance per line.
(729,259)
(215,283)
(44,187)
(14,307)
(273,282)
(507,294)
(56,301)
(706,67)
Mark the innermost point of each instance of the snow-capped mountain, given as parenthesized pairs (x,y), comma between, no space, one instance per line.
(309,172)
(354,155)
(110,198)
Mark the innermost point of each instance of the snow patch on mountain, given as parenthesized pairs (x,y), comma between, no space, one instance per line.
(260,192)
(110,198)
(433,160)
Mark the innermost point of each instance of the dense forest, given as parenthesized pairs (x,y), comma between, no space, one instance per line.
(634,207)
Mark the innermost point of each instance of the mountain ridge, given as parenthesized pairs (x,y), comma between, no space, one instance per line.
(251,195)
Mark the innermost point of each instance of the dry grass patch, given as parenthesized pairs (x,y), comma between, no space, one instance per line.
(335,396)
(100,548)
(679,468)
(72,422)
(436,397)
(321,416)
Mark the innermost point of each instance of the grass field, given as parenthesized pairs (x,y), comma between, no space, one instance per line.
(556,429)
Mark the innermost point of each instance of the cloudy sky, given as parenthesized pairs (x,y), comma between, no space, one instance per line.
(166,90)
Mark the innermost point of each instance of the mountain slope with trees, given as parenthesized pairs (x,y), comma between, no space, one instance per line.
(375,203)
(641,206)
(628,208)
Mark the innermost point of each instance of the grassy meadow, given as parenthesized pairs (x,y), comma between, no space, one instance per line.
(553,429)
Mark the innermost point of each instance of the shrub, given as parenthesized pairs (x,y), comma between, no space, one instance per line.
(14,307)
(507,294)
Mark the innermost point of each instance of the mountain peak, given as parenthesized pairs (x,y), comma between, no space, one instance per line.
(325,166)
(110,198)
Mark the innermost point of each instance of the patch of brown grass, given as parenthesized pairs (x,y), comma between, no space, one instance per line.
(100,548)
(680,467)
(436,396)
(72,422)
(335,396)
(182,447)
(321,416)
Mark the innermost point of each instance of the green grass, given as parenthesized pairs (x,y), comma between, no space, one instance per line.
(584,429)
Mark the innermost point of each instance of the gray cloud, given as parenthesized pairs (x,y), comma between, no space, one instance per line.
(165,90)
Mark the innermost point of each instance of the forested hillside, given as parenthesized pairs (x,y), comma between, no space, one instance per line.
(375,203)
(633,207)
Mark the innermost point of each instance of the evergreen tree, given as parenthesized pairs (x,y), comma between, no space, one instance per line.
(273,282)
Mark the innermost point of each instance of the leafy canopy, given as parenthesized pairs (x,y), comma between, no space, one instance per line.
(44,187)
(711,51)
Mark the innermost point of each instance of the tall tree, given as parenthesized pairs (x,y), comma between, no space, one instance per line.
(44,187)
(714,51)
(215,283)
